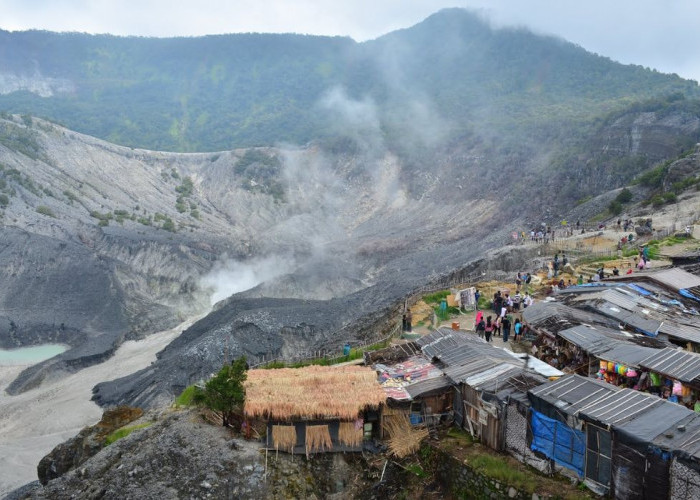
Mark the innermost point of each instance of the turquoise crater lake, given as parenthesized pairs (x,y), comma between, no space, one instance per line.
(30,355)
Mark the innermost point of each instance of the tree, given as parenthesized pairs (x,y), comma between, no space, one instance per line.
(624,196)
(225,391)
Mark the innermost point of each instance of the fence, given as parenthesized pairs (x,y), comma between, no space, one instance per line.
(310,356)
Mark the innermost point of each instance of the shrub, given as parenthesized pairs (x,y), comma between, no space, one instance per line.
(4,200)
(657,200)
(435,298)
(224,392)
(615,207)
(123,432)
(44,210)
(624,196)
(670,197)
(187,397)
(169,225)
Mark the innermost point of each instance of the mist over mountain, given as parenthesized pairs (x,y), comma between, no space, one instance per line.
(377,166)
(445,78)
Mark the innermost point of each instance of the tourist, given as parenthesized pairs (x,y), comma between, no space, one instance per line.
(476,299)
(505,325)
(488,329)
(479,324)
(517,330)
(616,271)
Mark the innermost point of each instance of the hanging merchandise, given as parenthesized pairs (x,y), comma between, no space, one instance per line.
(677,388)
(603,365)
(611,366)
(631,373)
(655,379)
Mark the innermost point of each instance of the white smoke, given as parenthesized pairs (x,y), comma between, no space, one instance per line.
(232,276)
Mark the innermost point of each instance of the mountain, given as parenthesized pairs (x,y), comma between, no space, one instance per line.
(448,77)
(382,165)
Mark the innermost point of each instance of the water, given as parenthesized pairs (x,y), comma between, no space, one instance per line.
(30,355)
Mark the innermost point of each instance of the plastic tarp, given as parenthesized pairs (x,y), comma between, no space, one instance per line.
(686,293)
(564,445)
(639,289)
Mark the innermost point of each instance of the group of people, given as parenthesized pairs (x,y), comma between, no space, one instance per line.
(487,327)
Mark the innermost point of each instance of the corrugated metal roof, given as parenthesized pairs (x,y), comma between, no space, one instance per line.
(623,405)
(644,325)
(591,339)
(639,416)
(680,331)
(532,364)
(675,363)
(675,278)
(553,317)
(627,354)
(427,386)
(499,372)
(683,437)
(572,392)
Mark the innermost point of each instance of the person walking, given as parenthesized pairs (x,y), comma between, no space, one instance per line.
(479,324)
(517,329)
(488,329)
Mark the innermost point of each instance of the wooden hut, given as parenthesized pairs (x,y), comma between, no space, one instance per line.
(316,408)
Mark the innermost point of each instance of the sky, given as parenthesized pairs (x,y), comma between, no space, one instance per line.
(659,34)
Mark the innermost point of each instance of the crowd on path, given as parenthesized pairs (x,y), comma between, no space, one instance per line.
(506,312)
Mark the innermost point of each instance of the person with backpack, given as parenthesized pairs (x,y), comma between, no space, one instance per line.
(480,325)
(488,329)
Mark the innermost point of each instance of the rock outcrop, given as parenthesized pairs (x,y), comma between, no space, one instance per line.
(76,451)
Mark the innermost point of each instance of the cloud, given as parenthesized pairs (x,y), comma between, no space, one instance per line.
(661,35)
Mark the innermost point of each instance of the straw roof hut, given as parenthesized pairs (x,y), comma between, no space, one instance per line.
(315,408)
(312,392)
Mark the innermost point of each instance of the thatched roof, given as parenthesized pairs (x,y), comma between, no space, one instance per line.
(313,392)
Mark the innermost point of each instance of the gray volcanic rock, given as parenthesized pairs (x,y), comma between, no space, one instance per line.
(178,456)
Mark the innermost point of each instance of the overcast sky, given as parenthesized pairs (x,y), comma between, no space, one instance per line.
(661,34)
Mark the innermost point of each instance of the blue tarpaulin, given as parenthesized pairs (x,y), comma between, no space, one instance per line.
(564,445)
(639,289)
(686,293)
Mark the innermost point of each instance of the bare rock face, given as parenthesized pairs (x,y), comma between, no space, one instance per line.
(178,456)
(76,451)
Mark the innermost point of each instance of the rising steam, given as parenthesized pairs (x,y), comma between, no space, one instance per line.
(233,276)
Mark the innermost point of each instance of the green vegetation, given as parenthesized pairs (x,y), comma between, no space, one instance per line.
(187,397)
(435,298)
(225,392)
(124,431)
(444,315)
(20,139)
(260,89)
(15,176)
(4,200)
(498,468)
(44,210)
(625,196)
(102,218)
(70,196)
(355,353)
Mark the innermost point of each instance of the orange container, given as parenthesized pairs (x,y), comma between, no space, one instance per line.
(455,325)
